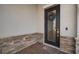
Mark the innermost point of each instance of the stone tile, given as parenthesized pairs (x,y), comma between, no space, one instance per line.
(39,48)
(16,43)
(67,44)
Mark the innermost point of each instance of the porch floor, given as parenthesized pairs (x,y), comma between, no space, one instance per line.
(39,48)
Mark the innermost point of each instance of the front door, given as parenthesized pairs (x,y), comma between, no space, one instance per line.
(52,25)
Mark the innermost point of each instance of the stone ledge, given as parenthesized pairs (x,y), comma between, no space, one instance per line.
(10,44)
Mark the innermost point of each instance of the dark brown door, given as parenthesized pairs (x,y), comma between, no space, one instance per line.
(52,25)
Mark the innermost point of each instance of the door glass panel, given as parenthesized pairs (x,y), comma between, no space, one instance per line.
(52,26)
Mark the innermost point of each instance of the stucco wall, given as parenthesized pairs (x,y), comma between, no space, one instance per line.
(17,20)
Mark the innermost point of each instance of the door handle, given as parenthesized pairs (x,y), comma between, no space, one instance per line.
(57,31)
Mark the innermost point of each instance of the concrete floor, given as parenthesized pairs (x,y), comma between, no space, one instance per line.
(39,48)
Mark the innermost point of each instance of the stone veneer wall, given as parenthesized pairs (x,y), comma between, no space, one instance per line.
(17,43)
(77,45)
(67,44)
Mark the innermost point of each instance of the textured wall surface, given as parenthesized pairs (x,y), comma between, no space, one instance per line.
(17,20)
(67,44)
